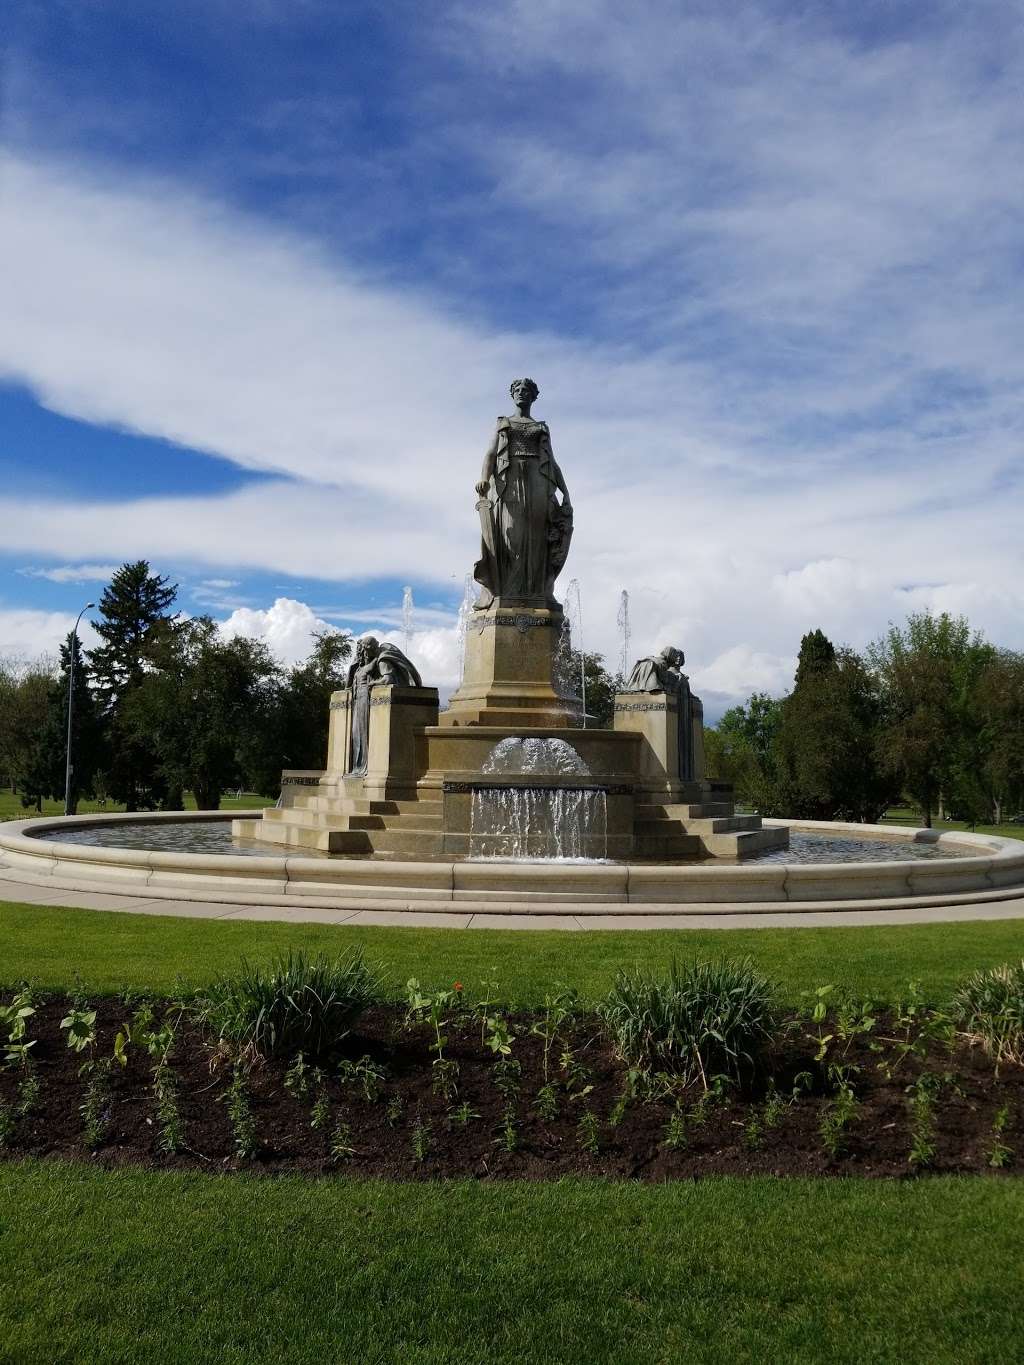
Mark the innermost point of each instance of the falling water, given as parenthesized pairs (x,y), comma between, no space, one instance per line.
(407,609)
(465,608)
(567,681)
(542,821)
(622,621)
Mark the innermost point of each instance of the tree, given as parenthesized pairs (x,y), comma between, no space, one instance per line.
(740,750)
(825,748)
(47,756)
(199,707)
(999,702)
(24,702)
(304,709)
(927,672)
(601,687)
(135,627)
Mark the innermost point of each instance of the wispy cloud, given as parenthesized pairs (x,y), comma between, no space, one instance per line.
(779,252)
(73,573)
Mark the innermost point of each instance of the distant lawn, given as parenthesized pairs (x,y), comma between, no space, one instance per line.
(904,815)
(12,809)
(124,1266)
(108,951)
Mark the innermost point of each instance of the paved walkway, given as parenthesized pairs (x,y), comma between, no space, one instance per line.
(696,917)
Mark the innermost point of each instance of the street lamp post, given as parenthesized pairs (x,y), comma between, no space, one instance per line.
(71,705)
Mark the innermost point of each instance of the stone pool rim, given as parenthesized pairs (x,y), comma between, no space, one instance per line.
(993,870)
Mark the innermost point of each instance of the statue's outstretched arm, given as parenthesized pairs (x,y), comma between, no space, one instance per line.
(488,469)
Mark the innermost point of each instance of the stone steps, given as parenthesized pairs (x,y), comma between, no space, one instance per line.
(724,824)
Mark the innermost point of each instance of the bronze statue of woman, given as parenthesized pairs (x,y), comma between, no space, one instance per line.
(525,529)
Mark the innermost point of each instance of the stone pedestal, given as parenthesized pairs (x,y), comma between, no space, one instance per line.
(655,715)
(397,714)
(508,672)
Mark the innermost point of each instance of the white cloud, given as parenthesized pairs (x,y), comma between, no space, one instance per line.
(73,573)
(287,628)
(827,431)
(26,635)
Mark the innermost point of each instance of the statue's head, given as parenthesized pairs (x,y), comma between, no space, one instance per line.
(368,648)
(524,389)
(673,657)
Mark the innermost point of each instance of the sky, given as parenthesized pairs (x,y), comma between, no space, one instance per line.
(270,269)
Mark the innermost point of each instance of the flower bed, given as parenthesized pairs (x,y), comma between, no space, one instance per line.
(441,1086)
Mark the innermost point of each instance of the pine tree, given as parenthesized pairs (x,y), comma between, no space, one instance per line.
(46,771)
(134,627)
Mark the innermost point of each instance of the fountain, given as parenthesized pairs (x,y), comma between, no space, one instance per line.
(509,768)
(505,798)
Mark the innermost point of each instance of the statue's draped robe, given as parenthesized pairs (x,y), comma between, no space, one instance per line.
(525,531)
(654,675)
(389,666)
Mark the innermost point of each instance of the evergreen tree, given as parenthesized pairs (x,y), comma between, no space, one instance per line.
(134,626)
(46,770)
(826,745)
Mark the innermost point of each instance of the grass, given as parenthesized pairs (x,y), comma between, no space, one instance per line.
(124,1265)
(12,809)
(904,815)
(108,951)
(114,1266)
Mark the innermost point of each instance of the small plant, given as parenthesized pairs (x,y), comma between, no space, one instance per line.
(239,1106)
(143,1032)
(463,1116)
(296,1078)
(676,1130)
(96,1108)
(15,1017)
(80,1026)
(393,1112)
(444,1079)
(169,1123)
(753,1132)
(923,1095)
(558,1011)
(623,1100)
(989,1009)
(508,1132)
(588,1132)
(704,1019)
(422,1135)
(999,1154)
(546,1102)
(295,1002)
(366,1073)
(836,1120)
(774,1109)
(507,1075)
(577,1076)
(319,1115)
(29,1088)
(8,1123)
(919,1029)
(499,1039)
(341,1142)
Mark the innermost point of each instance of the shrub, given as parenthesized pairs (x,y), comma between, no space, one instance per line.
(989,1008)
(295,1003)
(704,1020)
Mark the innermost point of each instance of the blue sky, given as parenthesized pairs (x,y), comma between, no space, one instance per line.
(273,267)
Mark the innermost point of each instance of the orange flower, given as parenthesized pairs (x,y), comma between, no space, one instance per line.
(457,986)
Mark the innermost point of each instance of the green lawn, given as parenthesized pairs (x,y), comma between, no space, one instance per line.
(903,815)
(12,809)
(109,950)
(125,1266)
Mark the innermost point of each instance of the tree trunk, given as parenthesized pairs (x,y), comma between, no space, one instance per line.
(926,816)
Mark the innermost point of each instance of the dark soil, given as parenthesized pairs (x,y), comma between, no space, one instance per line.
(737,1136)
